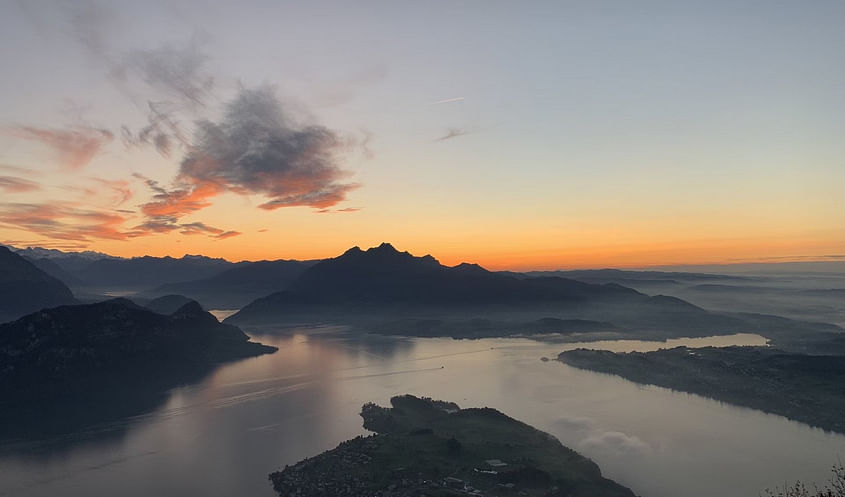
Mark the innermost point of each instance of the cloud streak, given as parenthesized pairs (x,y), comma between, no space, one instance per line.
(169,206)
(198,228)
(63,221)
(74,147)
(10,184)
(448,101)
(452,133)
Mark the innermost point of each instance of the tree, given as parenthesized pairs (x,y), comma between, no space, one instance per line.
(835,487)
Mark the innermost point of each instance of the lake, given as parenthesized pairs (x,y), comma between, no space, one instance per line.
(222,435)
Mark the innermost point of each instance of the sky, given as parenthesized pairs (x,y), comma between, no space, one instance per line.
(518,135)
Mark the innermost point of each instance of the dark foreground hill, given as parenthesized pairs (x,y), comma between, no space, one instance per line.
(434,448)
(387,291)
(24,288)
(237,286)
(66,346)
(89,368)
(806,388)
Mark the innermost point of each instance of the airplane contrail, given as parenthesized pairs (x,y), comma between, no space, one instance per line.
(448,100)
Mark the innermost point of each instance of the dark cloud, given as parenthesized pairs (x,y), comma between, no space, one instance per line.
(452,133)
(10,184)
(74,147)
(258,148)
(255,149)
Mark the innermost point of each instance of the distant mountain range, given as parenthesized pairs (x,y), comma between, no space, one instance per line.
(146,272)
(68,344)
(384,290)
(24,288)
(235,287)
(388,291)
(85,270)
(635,279)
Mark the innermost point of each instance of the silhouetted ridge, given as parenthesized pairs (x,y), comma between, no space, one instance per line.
(115,336)
(383,276)
(237,286)
(24,288)
(469,267)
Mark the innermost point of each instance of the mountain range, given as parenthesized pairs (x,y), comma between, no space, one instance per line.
(384,290)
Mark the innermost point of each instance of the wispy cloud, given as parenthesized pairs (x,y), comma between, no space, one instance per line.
(169,206)
(19,170)
(74,147)
(118,191)
(64,221)
(10,184)
(162,131)
(335,211)
(452,133)
(198,228)
(257,147)
(177,70)
(182,85)
(108,193)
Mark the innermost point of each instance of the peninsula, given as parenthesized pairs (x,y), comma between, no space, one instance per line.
(434,448)
(806,388)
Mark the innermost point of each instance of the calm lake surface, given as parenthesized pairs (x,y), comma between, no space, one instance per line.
(222,435)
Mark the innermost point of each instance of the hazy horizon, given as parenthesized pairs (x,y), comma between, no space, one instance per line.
(540,136)
(831,263)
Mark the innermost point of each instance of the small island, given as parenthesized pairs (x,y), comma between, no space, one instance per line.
(435,448)
(805,388)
